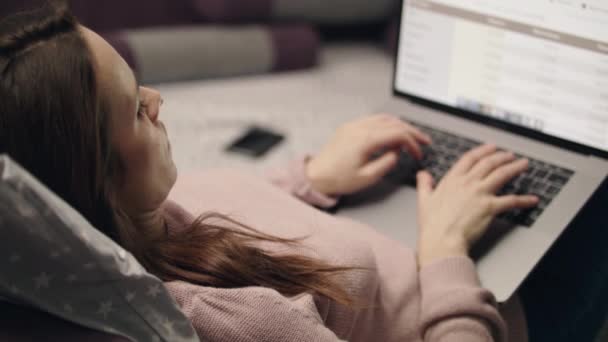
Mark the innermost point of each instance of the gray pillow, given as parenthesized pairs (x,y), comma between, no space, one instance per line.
(52,259)
(200,52)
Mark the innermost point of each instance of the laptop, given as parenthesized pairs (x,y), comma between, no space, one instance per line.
(528,76)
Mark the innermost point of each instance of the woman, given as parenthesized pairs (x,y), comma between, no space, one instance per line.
(73,114)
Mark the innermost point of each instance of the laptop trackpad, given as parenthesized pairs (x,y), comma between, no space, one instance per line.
(392,210)
(387,207)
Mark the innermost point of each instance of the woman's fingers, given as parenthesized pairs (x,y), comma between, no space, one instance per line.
(424,185)
(488,164)
(391,137)
(505,203)
(394,121)
(392,132)
(380,166)
(415,131)
(504,174)
(421,136)
(469,159)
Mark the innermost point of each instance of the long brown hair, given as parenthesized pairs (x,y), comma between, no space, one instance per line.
(53,122)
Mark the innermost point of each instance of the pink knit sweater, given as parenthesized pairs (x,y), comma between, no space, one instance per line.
(441,302)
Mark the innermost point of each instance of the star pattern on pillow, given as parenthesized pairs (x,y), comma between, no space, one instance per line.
(55,260)
(42,281)
(105,308)
(154,291)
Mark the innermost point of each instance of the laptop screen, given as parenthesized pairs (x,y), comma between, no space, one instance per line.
(540,64)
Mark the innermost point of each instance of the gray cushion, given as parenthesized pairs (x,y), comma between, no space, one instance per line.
(52,259)
(194,52)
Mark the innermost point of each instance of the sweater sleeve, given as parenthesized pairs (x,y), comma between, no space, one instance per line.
(454,305)
(250,314)
(293,179)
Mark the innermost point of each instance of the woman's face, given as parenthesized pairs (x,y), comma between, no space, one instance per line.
(137,134)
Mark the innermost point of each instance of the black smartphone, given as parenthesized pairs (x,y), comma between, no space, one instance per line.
(255,142)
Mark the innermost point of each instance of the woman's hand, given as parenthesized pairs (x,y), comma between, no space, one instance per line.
(345,164)
(459,210)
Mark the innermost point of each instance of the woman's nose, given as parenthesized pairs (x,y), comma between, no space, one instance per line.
(154,113)
(156,101)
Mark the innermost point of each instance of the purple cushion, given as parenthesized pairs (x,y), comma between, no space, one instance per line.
(392,34)
(233,10)
(118,14)
(296,47)
(21,324)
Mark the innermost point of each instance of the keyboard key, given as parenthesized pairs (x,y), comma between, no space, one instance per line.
(558,179)
(540,174)
(528,221)
(543,203)
(525,183)
(552,190)
(537,186)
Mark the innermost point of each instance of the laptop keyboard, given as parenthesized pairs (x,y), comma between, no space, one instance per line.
(542,179)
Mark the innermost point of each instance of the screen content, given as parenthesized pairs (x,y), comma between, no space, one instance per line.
(541,64)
